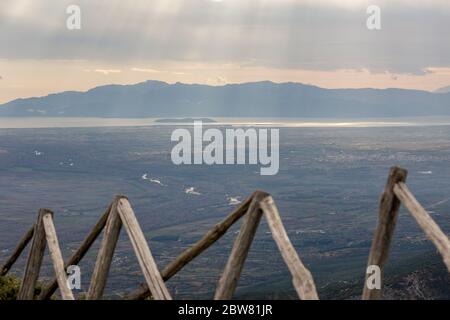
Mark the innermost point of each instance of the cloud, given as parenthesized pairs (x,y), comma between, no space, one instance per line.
(107,71)
(145,70)
(218,81)
(149,70)
(285,34)
(440,71)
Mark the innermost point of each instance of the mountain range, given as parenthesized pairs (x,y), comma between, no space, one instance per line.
(443,90)
(255,99)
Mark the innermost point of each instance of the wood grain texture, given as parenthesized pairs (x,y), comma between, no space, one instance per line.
(105,254)
(121,213)
(56,256)
(233,269)
(33,267)
(425,221)
(302,278)
(17,251)
(52,285)
(387,219)
(145,258)
(200,246)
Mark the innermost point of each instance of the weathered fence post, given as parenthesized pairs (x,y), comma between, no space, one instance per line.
(17,251)
(52,285)
(148,266)
(191,253)
(120,212)
(302,279)
(232,272)
(27,287)
(105,254)
(56,256)
(431,229)
(387,219)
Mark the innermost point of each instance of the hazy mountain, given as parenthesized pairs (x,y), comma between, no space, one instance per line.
(258,99)
(443,90)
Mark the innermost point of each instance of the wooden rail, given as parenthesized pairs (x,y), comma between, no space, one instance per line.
(251,207)
(17,251)
(120,213)
(151,273)
(105,254)
(191,253)
(56,256)
(301,277)
(396,193)
(44,233)
(230,277)
(431,229)
(28,285)
(52,285)
(389,206)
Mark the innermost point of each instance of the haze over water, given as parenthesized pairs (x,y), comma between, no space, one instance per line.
(75,122)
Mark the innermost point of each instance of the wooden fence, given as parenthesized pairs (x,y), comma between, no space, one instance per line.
(395,193)
(120,213)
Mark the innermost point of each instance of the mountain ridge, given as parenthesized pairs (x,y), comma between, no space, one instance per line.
(154,98)
(443,90)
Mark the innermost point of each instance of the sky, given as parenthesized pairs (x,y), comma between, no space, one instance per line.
(320,42)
